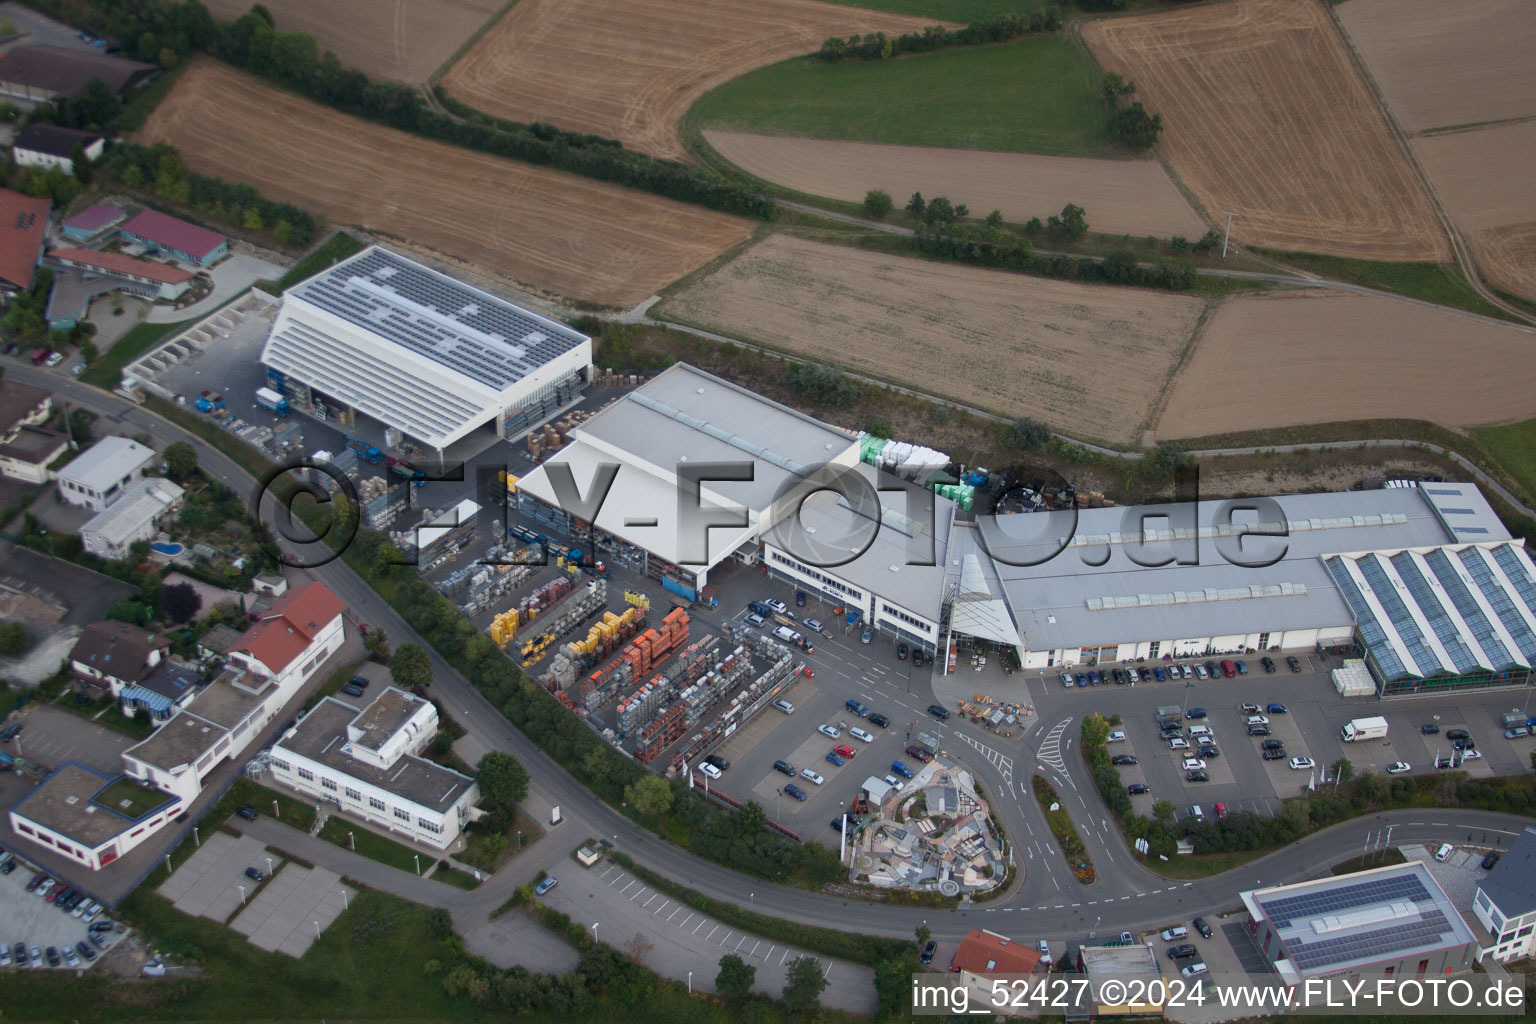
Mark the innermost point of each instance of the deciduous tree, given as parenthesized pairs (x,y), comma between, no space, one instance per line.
(410,668)
(736,977)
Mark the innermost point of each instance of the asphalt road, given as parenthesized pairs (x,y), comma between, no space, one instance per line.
(1138,897)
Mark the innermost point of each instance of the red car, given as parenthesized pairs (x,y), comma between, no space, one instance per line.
(844,750)
(1221,811)
(919,753)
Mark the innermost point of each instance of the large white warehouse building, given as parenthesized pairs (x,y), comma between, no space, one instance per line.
(421,352)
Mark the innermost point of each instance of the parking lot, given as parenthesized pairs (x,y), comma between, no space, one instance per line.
(843,668)
(33,921)
(1239,777)
(51,735)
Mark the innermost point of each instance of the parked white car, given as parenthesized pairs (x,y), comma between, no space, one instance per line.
(894,782)
(1399,768)
(1178,743)
(1302,763)
(810,776)
(1115,736)
(1193,764)
(861,735)
(708,769)
(832,732)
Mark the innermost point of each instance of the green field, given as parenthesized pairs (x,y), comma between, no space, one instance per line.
(1442,284)
(1514,446)
(370,844)
(949,10)
(107,370)
(1036,95)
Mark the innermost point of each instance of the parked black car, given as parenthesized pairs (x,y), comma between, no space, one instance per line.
(718,762)
(1490,859)
(1430,730)
(1183,951)
(1268,663)
(1294,662)
(938,711)
(880,720)
(1137,788)
(1201,927)
(247,812)
(1456,734)
(929,948)
(1122,759)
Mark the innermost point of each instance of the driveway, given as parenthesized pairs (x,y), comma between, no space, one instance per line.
(233,275)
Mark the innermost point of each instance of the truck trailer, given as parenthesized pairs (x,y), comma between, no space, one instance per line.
(269,399)
(1358,729)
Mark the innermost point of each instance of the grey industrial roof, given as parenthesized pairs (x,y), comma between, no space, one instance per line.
(1511,885)
(384,716)
(322,736)
(181,741)
(1069,601)
(66,803)
(1337,923)
(141,501)
(463,328)
(687,414)
(106,462)
(882,569)
(1120,961)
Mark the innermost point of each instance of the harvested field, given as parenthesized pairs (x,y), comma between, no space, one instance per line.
(541,229)
(630,69)
(1121,196)
(1087,360)
(406,40)
(1484,179)
(1264,116)
(1441,64)
(1313,357)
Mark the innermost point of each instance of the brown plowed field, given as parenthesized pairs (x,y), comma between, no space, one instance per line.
(405,40)
(1087,360)
(630,69)
(1121,196)
(1314,357)
(1440,63)
(542,229)
(1485,179)
(1264,116)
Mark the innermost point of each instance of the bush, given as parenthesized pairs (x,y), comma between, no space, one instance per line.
(878,203)
(877,46)
(823,384)
(1029,434)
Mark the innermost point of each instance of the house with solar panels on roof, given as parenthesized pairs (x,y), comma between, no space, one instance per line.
(1393,920)
(427,356)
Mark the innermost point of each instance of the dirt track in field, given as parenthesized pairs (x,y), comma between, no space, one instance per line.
(1485,179)
(1313,357)
(406,40)
(1121,196)
(1087,360)
(1441,64)
(542,230)
(1264,116)
(630,69)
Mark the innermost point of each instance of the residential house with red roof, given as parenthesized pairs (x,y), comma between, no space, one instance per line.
(162,233)
(23,225)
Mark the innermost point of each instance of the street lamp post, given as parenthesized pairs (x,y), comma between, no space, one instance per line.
(269,865)
(197,839)
(417,858)
(242,894)
(690,983)
(1189,685)
(752,898)
(274,810)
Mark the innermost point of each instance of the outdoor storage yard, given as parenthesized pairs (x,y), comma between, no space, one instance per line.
(1265,116)
(1122,197)
(629,69)
(1484,178)
(1313,357)
(541,229)
(1089,361)
(1440,64)
(406,40)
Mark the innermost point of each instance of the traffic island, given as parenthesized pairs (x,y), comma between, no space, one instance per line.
(1065,832)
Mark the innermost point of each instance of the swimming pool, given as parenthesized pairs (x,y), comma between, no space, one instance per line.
(168,549)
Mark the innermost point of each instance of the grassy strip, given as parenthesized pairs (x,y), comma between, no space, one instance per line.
(1047,83)
(861,949)
(351,836)
(139,726)
(1203,865)
(1391,855)
(327,254)
(1513,447)
(1071,843)
(1440,283)
(455,877)
(107,371)
(242,454)
(331,686)
(950,10)
(287,808)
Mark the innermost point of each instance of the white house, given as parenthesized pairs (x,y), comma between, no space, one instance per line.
(49,146)
(266,668)
(1506,901)
(364,757)
(92,818)
(136,516)
(100,474)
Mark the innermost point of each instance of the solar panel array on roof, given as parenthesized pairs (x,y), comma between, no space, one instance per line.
(487,339)
(1470,611)
(1371,630)
(1377,944)
(1439,619)
(1333,900)
(1498,598)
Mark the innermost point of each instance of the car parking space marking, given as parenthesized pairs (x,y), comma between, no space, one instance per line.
(783,958)
(651,900)
(664,904)
(611,869)
(675,912)
(711,933)
(758,943)
(626,888)
(768,954)
(701,924)
(743,942)
(638,892)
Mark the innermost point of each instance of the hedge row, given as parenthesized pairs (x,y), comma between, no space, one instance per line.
(878,46)
(998,247)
